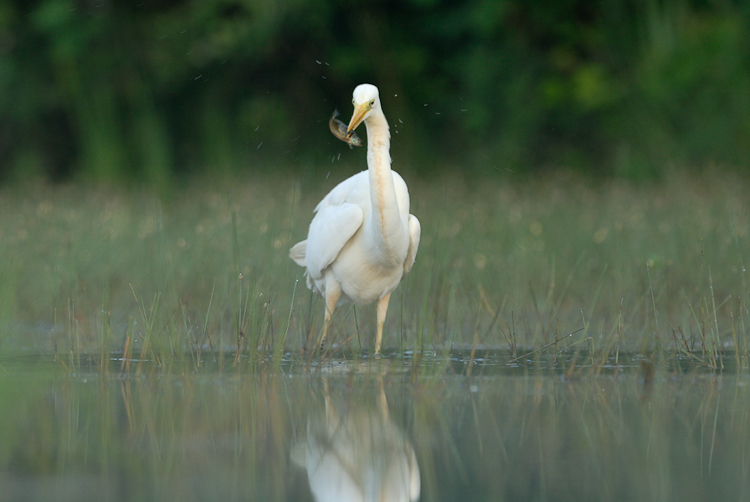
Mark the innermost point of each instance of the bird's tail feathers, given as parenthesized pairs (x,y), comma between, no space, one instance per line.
(298,252)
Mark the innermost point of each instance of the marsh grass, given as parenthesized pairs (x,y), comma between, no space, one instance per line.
(204,274)
(555,340)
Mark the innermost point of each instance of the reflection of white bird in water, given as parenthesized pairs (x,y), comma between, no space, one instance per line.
(362,241)
(361,455)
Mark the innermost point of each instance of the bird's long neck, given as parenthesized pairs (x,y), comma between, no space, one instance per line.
(386,218)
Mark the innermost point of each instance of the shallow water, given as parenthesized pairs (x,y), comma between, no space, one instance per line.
(394,429)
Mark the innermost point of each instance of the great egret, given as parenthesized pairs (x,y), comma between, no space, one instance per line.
(362,239)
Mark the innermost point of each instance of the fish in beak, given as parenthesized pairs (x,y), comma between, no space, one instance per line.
(338,129)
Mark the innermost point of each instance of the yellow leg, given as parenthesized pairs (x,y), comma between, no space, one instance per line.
(333,292)
(382,310)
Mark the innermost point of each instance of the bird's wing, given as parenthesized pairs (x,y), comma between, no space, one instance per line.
(415,231)
(330,230)
(351,189)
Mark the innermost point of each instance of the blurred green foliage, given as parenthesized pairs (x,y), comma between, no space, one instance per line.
(146,90)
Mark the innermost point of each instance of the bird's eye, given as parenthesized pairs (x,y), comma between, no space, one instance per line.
(372,103)
(354,102)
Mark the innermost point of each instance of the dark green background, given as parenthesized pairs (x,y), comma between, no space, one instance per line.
(143,91)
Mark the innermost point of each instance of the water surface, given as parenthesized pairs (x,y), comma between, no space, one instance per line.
(392,429)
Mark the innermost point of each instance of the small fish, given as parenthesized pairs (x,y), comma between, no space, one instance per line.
(338,129)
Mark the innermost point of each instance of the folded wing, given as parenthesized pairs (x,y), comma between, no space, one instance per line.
(415,231)
(330,230)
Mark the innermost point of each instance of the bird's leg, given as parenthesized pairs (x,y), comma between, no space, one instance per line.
(333,292)
(382,310)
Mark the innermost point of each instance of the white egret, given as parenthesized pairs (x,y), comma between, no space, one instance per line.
(362,239)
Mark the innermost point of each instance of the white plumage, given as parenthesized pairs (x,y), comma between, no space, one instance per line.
(362,239)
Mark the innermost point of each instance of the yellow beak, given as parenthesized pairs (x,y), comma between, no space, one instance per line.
(357,118)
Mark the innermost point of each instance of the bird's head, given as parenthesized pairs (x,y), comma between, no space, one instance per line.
(365,99)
